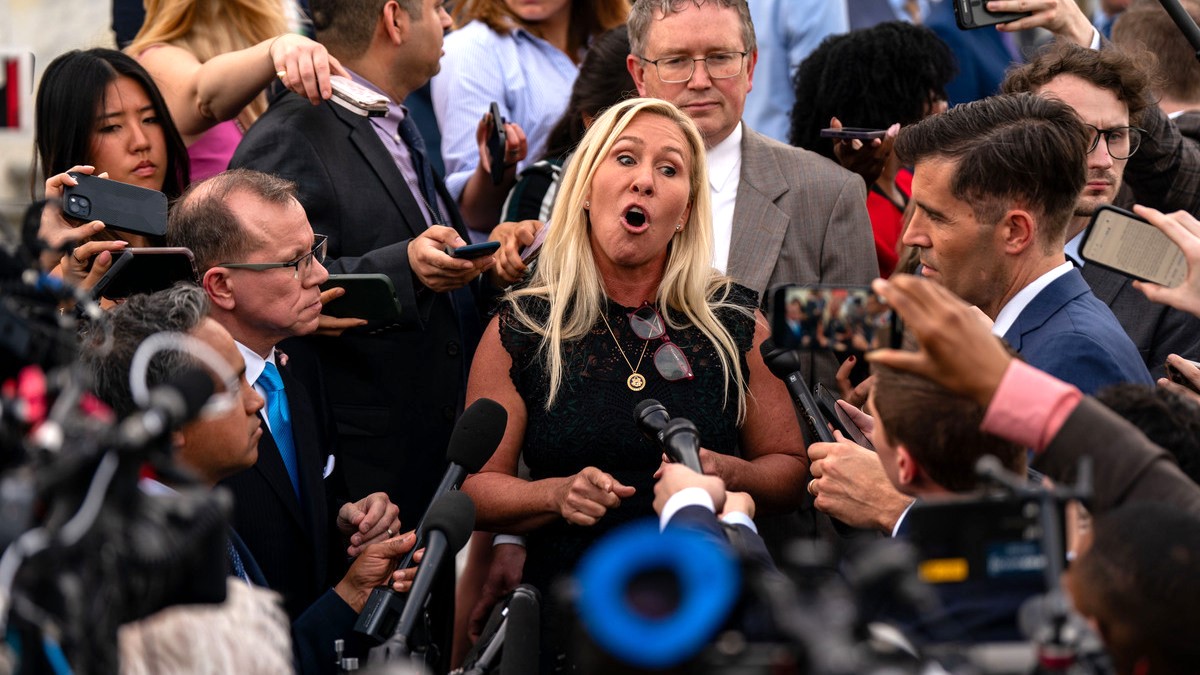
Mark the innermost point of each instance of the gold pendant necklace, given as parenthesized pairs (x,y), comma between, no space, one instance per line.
(636,381)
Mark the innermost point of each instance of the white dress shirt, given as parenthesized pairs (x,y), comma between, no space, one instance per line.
(724,176)
(1009,313)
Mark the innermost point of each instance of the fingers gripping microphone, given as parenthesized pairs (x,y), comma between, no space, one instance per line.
(448,525)
(678,437)
(682,442)
(475,437)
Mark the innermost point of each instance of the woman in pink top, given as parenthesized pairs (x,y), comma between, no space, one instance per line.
(213,59)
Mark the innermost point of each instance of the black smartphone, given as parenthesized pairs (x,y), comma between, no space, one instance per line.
(495,143)
(145,270)
(1125,243)
(368,296)
(120,206)
(472,251)
(971,14)
(842,319)
(1179,378)
(849,133)
(827,403)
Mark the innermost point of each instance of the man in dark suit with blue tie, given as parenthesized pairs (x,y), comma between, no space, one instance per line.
(223,444)
(995,183)
(260,266)
(367,186)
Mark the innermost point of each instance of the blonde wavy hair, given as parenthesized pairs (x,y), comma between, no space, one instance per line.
(566,275)
(207,28)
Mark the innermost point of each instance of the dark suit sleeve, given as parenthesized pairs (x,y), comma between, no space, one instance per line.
(1126,466)
(746,542)
(314,631)
(1165,171)
(285,146)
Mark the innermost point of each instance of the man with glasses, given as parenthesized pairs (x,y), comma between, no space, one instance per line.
(261,267)
(1111,94)
(780,214)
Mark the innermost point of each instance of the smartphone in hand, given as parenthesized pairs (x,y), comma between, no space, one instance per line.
(972,14)
(145,270)
(496,142)
(119,206)
(356,98)
(852,133)
(1125,243)
(1181,379)
(473,251)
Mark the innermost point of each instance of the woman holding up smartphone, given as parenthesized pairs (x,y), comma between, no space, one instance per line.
(99,112)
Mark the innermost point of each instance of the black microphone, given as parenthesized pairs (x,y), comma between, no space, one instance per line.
(651,418)
(476,435)
(682,443)
(448,525)
(171,405)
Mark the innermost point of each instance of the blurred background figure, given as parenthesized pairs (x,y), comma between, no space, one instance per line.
(524,56)
(787,31)
(214,59)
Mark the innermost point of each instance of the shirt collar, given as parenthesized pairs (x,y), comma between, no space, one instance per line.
(723,158)
(255,364)
(1009,313)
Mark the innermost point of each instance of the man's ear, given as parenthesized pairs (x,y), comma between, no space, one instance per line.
(218,285)
(395,23)
(906,466)
(1018,229)
(637,70)
(751,62)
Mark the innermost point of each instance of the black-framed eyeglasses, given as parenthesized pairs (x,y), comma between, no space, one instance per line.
(1122,142)
(720,66)
(669,359)
(300,266)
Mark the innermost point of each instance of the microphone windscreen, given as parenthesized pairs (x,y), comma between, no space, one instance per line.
(651,414)
(477,434)
(452,514)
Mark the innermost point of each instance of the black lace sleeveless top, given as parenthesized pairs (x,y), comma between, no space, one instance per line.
(591,422)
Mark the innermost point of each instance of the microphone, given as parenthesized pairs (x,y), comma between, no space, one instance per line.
(651,418)
(171,405)
(449,522)
(475,437)
(682,443)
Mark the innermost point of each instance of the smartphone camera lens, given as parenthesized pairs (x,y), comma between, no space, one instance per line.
(78,206)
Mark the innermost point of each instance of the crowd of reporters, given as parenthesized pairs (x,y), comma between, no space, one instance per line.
(642,224)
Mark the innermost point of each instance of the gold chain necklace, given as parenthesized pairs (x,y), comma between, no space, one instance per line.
(636,381)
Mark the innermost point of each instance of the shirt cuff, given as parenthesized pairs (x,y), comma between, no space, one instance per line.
(692,496)
(1029,407)
(739,518)
(508,539)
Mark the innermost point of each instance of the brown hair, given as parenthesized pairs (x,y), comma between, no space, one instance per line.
(589,18)
(939,428)
(1017,148)
(1109,69)
(644,11)
(346,26)
(1148,35)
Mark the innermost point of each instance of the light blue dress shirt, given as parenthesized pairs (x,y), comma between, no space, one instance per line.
(528,77)
(787,32)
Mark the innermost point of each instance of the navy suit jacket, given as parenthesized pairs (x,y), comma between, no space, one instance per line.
(1067,332)
(744,541)
(314,631)
(290,538)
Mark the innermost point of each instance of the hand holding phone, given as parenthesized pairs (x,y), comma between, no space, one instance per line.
(1175,374)
(852,133)
(497,142)
(473,251)
(972,14)
(356,98)
(1123,242)
(120,206)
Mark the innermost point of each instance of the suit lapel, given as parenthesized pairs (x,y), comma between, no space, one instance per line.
(759,225)
(367,142)
(270,465)
(1106,284)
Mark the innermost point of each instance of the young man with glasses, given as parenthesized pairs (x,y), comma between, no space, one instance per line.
(261,267)
(780,214)
(1111,94)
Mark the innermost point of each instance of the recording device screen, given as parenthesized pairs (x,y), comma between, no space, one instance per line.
(990,539)
(842,319)
(1121,241)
